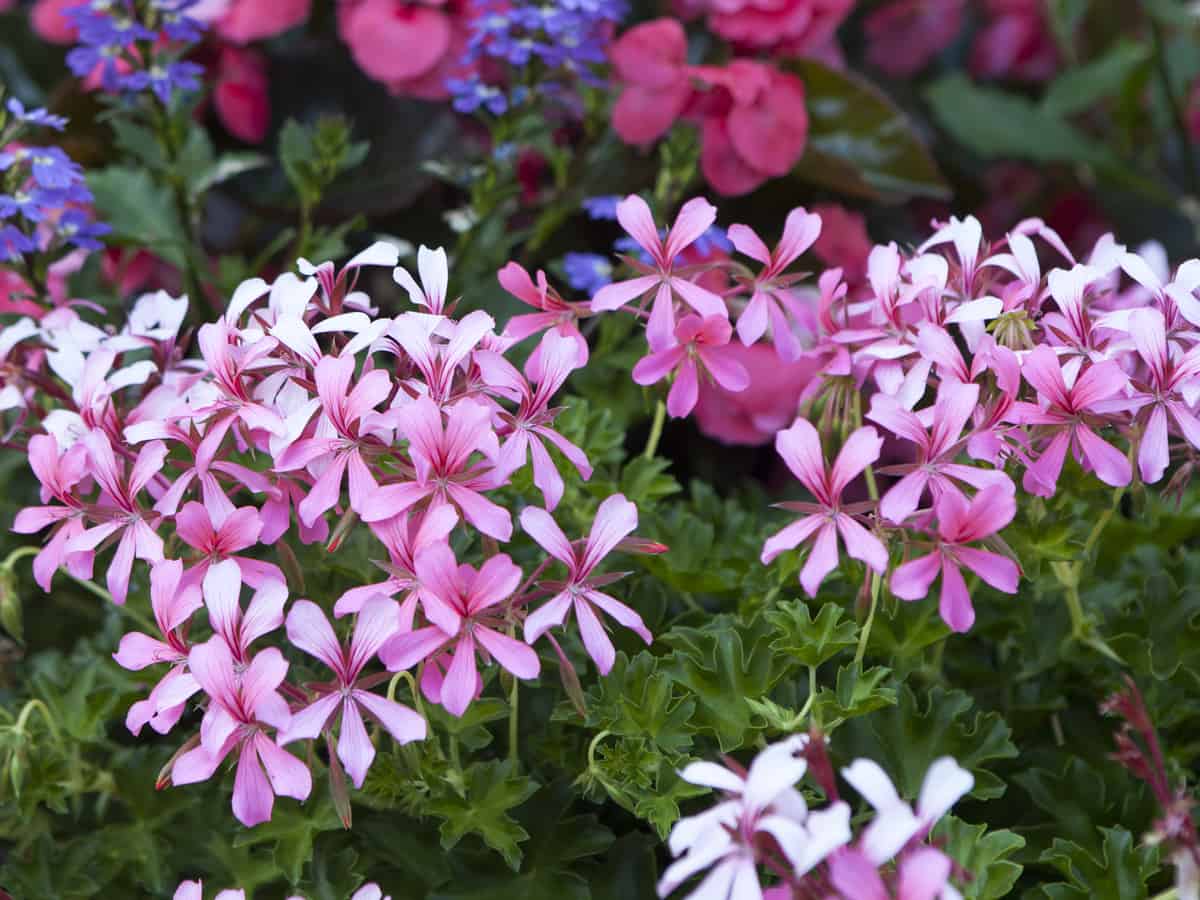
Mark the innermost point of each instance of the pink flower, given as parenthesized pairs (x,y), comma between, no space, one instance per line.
(960,523)
(344,433)
(800,448)
(650,61)
(119,511)
(903,36)
(771,301)
(460,602)
(412,338)
(1016,43)
(441,455)
(194,890)
(843,241)
(698,343)
(50,24)
(241,708)
(556,313)
(435,277)
(244,21)
(173,604)
(938,445)
(1066,412)
(615,519)
(309,630)
(693,220)
(242,94)
(59,474)
(222,587)
(767,405)
(922,873)
(1167,373)
(791,27)
(410,47)
(240,529)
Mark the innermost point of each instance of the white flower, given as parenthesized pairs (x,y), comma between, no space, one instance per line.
(431,265)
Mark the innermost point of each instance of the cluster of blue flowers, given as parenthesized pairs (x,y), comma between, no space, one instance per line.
(45,200)
(568,37)
(120,41)
(588,272)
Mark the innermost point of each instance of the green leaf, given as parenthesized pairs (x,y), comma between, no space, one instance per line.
(983,854)
(292,830)
(859,142)
(856,693)
(139,142)
(225,167)
(140,211)
(1120,873)
(1082,88)
(639,698)
(491,790)
(906,738)
(811,641)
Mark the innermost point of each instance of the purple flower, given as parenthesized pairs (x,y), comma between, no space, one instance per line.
(37,116)
(14,243)
(587,272)
(603,208)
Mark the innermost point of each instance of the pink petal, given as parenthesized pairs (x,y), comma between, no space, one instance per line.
(137,651)
(800,449)
(860,450)
(654,367)
(326,492)
(289,776)
(923,874)
(861,544)
(594,638)
(545,474)
(955,603)
(635,217)
(615,518)
(514,656)
(695,217)
(822,559)
(354,748)
(790,537)
(309,630)
(253,799)
(1110,464)
(488,517)
(902,500)
(401,723)
(540,526)
(310,721)
(549,615)
(681,399)
(998,571)
(459,685)
(621,613)
(403,651)
(725,370)
(615,295)
(911,580)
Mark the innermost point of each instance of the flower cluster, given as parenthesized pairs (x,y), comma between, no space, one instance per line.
(194,890)
(130,47)
(763,822)
(979,369)
(44,200)
(557,44)
(306,410)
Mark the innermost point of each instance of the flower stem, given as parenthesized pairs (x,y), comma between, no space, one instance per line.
(514,721)
(865,635)
(656,428)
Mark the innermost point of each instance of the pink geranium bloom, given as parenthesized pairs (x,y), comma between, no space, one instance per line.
(245,21)
(403,536)
(922,873)
(771,301)
(60,475)
(556,313)
(800,448)
(173,603)
(529,428)
(240,529)
(222,587)
(1169,373)
(903,36)
(441,454)
(347,428)
(194,890)
(768,404)
(309,630)
(119,510)
(959,524)
(412,338)
(615,519)
(1067,413)
(435,278)
(786,27)
(241,708)
(650,62)
(461,602)
(661,277)
(700,344)
(939,440)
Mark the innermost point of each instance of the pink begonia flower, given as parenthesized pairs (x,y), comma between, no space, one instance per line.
(762,801)
(895,822)
(245,21)
(556,314)
(309,630)
(693,220)
(460,603)
(403,536)
(1064,410)
(615,519)
(1170,373)
(242,94)
(173,604)
(194,890)
(410,47)
(843,241)
(50,24)
(241,707)
(650,62)
(938,435)
(700,344)
(441,452)
(347,427)
(791,27)
(431,292)
(768,404)
(1017,43)
(119,510)
(222,587)
(59,475)
(800,448)
(771,301)
(960,523)
(241,529)
(904,36)
(529,427)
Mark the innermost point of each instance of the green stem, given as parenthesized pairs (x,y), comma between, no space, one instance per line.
(865,635)
(141,618)
(656,428)
(812,694)
(18,554)
(1102,522)
(591,753)
(27,712)
(514,721)
(455,759)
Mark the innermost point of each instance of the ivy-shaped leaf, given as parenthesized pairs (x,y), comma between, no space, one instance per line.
(811,641)
(293,831)
(982,853)
(1120,873)
(491,791)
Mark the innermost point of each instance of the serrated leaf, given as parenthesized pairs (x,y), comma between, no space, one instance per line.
(811,641)
(856,693)
(292,831)
(638,698)
(1120,873)
(983,854)
(491,791)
